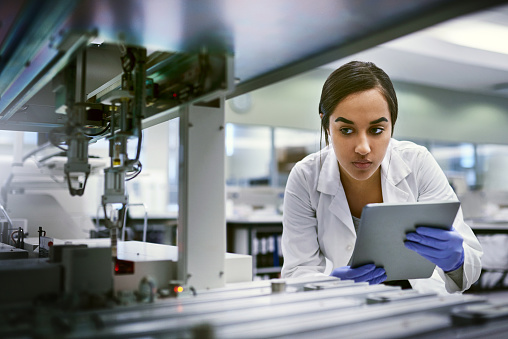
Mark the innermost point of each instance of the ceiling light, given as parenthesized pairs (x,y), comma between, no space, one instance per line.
(474,34)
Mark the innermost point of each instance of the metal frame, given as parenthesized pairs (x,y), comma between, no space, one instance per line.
(202,196)
(231,27)
(387,31)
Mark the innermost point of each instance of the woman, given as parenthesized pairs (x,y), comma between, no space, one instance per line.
(326,191)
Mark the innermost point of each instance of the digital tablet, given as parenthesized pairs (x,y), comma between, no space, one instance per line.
(382,232)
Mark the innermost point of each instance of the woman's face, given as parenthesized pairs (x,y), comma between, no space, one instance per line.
(360,130)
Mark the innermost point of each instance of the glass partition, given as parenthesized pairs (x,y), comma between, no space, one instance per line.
(262,155)
(248,155)
(292,145)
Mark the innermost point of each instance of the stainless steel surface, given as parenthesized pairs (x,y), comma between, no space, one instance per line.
(404,326)
(264,36)
(251,311)
(29,33)
(308,322)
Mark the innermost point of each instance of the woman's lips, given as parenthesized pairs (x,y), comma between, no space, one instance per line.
(362,164)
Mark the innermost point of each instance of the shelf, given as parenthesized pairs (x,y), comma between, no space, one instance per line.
(267,270)
(244,236)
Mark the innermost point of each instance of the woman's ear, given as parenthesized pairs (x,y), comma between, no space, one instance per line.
(322,125)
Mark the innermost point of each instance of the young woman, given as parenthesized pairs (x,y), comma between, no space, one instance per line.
(326,191)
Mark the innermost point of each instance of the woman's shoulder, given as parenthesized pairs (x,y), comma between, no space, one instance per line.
(408,149)
(314,160)
(416,157)
(307,170)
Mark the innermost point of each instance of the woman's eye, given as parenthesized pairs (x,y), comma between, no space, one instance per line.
(377,130)
(346,131)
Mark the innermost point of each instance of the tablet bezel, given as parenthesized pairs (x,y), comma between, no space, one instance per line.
(382,232)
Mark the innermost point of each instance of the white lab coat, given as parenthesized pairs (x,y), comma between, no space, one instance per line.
(318,223)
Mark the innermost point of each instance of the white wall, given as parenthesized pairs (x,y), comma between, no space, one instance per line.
(445,115)
(424,112)
(292,103)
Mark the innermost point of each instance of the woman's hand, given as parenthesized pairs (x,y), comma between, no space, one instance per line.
(442,247)
(369,273)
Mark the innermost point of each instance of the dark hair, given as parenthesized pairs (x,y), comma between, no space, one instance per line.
(354,77)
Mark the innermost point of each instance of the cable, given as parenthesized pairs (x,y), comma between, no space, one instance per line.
(140,139)
(12,237)
(54,142)
(35,151)
(136,172)
(61,148)
(99,133)
(138,153)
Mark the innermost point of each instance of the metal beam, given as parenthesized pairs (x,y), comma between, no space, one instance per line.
(201,190)
(368,39)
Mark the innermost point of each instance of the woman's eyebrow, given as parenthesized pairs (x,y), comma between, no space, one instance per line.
(344,120)
(377,121)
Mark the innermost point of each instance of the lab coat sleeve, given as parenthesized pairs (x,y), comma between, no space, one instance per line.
(434,186)
(300,246)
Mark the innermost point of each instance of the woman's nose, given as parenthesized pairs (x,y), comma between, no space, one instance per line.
(362,146)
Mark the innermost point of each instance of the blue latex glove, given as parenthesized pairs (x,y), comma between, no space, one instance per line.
(370,273)
(442,247)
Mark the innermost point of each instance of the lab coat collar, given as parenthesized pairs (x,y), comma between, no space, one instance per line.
(329,183)
(393,171)
(329,176)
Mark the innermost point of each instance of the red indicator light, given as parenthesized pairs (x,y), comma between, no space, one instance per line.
(178,289)
(124,267)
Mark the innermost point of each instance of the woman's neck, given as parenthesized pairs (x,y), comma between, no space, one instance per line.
(361,192)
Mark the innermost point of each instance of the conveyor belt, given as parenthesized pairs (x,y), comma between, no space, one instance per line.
(344,308)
